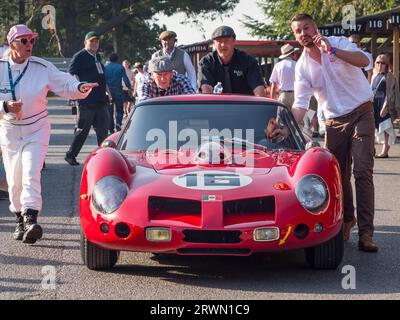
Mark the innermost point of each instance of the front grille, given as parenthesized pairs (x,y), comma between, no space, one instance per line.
(206,236)
(254,205)
(234,251)
(174,205)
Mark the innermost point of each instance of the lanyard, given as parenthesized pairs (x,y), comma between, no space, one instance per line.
(12,83)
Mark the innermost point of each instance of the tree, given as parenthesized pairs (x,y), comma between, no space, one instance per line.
(127,26)
(280,13)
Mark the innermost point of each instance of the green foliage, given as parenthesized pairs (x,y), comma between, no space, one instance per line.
(127,25)
(280,12)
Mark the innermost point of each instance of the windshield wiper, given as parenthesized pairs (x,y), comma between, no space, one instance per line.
(244,143)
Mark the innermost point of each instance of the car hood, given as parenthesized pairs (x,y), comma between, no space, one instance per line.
(254,163)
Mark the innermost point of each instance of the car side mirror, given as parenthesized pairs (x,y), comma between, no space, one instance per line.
(312,144)
(109,144)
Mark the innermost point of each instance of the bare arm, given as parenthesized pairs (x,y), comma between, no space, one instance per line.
(370,73)
(205,88)
(273,88)
(299,114)
(259,91)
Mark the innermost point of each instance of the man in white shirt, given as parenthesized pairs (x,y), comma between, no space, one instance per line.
(330,68)
(140,78)
(283,76)
(128,100)
(180,58)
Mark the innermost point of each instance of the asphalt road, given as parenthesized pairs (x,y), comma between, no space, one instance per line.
(26,271)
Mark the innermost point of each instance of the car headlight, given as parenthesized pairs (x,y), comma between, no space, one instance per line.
(312,192)
(108,194)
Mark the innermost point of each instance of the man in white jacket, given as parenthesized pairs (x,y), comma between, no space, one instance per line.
(25,127)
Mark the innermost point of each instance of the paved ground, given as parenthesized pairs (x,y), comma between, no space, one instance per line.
(24,269)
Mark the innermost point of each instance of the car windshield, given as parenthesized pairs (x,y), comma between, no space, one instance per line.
(189,125)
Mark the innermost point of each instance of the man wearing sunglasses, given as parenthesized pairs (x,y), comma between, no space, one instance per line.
(25,127)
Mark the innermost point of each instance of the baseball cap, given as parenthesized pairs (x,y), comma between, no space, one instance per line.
(91,34)
(18,31)
(223,31)
(161,64)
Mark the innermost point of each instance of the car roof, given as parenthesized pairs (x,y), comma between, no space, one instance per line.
(198,98)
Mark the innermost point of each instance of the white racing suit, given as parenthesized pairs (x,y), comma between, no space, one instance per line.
(24,143)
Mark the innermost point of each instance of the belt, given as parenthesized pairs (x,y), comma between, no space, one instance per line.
(30,120)
(286,90)
(361,107)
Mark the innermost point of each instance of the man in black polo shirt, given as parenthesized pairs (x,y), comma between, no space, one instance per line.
(86,65)
(237,71)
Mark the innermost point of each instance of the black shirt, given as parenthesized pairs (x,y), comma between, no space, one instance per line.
(244,72)
(83,65)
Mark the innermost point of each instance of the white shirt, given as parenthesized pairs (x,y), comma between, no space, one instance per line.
(371,61)
(131,76)
(140,78)
(190,71)
(41,77)
(338,86)
(284,74)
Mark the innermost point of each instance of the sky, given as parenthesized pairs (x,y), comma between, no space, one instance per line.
(188,34)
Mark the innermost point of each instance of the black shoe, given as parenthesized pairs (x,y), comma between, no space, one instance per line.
(316,134)
(32,231)
(118,128)
(19,230)
(71,160)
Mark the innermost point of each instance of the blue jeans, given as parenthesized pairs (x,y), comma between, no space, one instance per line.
(117,96)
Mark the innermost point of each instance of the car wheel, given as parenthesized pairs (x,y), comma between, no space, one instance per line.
(96,258)
(328,255)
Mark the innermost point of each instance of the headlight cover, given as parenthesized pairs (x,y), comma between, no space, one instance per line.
(312,192)
(108,194)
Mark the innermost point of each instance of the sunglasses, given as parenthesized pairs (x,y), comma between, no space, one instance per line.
(25,41)
(380,62)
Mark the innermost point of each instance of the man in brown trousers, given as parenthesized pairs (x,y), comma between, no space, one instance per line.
(330,69)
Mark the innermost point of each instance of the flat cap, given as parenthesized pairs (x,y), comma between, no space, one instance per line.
(161,64)
(167,35)
(91,35)
(223,31)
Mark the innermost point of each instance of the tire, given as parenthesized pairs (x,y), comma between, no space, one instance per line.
(326,256)
(96,258)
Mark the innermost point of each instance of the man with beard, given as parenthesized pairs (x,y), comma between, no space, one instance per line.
(330,69)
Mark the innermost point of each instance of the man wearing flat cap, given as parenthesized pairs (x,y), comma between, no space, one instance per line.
(180,58)
(86,65)
(164,81)
(283,76)
(238,72)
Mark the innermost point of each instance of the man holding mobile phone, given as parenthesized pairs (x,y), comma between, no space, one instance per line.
(330,69)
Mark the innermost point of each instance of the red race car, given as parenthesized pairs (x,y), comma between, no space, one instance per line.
(211,175)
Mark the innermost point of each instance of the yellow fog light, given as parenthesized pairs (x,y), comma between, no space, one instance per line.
(266,234)
(158,234)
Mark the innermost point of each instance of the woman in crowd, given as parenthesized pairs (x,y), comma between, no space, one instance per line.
(386,100)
